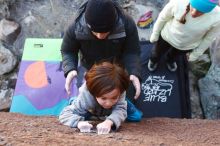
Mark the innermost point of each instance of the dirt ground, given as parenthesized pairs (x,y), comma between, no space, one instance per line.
(20,130)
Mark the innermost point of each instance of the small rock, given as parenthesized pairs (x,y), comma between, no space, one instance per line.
(7,60)
(9,30)
(4,11)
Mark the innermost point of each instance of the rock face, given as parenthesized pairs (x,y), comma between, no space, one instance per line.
(138,10)
(7,86)
(4,10)
(17,129)
(210,85)
(196,110)
(215,51)
(7,80)
(210,92)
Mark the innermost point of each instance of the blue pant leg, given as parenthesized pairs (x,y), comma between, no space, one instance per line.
(133,114)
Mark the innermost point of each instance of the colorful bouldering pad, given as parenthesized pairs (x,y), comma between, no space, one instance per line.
(40,84)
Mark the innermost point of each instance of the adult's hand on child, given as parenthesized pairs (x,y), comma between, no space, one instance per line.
(84,126)
(104,127)
(135,81)
(71,75)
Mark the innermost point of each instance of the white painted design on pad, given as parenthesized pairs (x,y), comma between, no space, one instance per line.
(157,89)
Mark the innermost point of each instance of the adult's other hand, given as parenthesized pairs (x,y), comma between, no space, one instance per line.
(135,81)
(71,75)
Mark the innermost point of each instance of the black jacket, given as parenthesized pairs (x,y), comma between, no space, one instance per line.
(121,45)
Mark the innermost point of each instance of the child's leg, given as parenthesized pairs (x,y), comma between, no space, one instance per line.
(133,114)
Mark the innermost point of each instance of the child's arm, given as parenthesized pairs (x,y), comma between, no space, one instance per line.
(165,15)
(71,115)
(119,113)
(205,43)
(77,111)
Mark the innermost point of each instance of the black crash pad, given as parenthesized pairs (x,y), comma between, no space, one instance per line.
(164,93)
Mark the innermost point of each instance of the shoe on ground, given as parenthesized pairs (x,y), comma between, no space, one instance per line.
(172,66)
(152,66)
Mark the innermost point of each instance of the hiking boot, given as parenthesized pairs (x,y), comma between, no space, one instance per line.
(152,66)
(172,66)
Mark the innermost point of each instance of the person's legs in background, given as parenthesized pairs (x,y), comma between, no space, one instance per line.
(160,48)
(171,59)
(172,55)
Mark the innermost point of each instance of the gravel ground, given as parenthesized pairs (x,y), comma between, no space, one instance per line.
(17,129)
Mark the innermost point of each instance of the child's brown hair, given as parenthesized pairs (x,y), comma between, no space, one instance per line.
(183,18)
(104,77)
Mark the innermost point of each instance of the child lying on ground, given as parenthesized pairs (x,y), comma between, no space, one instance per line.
(102,95)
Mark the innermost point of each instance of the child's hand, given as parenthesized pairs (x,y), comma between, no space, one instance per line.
(104,127)
(84,126)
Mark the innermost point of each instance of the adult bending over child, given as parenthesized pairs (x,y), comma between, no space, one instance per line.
(102,95)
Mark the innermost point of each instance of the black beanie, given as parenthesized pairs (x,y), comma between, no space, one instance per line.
(101,15)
